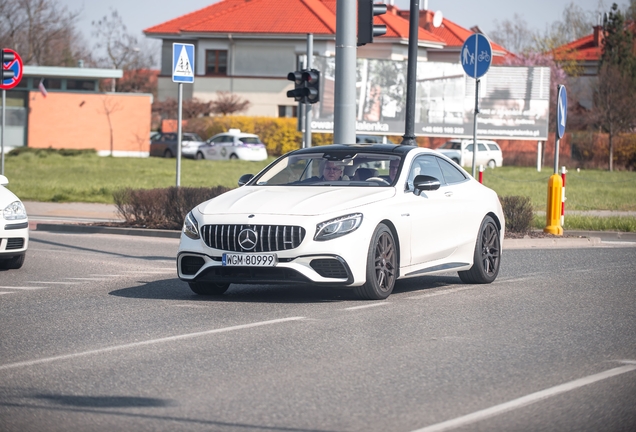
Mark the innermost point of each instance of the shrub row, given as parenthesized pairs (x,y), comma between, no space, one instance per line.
(166,208)
(163,208)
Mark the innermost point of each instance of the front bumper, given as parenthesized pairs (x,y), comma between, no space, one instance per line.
(315,269)
(14,238)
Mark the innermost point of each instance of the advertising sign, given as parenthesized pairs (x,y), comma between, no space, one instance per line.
(514,101)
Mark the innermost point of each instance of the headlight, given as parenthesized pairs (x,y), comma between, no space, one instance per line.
(191,227)
(338,227)
(14,211)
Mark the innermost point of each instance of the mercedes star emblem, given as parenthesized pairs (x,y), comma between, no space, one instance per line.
(247,239)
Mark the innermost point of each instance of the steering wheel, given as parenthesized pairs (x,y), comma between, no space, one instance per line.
(378,180)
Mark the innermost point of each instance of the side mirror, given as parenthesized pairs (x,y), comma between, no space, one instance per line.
(244,179)
(423,183)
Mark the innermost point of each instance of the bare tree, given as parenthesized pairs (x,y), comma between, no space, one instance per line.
(514,35)
(42,31)
(229,103)
(121,49)
(614,110)
(109,107)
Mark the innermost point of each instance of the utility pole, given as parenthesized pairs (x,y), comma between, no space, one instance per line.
(411,74)
(344,126)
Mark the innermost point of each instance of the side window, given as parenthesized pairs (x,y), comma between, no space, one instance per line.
(493,147)
(469,148)
(481,147)
(216,140)
(424,165)
(451,174)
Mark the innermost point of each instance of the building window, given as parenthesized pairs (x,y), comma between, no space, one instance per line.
(216,62)
(287,111)
(80,85)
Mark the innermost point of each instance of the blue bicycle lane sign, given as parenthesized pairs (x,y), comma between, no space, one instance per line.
(476,55)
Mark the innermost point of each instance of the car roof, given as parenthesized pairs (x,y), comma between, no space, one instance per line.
(237,134)
(370,148)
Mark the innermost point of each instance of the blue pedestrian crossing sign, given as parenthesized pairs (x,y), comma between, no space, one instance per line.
(182,63)
(562,111)
(476,55)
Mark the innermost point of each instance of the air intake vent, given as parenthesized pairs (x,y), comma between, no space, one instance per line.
(15,243)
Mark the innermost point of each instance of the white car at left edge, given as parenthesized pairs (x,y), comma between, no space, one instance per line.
(14,228)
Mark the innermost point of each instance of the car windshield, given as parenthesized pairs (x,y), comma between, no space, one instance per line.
(452,145)
(350,169)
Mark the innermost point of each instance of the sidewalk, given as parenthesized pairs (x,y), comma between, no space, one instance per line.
(70,217)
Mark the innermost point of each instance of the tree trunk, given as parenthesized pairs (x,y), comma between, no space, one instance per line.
(611,152)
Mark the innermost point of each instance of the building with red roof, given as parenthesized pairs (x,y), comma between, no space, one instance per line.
(248,47)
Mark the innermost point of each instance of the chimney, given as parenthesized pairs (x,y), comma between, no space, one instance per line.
(598,36)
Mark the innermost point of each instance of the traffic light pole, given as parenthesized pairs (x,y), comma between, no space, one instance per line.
(411,74)
(310,65)
(344,126)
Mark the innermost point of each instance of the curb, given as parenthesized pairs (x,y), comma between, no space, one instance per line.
(92,229)
(508,244)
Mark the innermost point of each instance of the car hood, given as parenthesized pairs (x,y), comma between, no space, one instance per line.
(295,200)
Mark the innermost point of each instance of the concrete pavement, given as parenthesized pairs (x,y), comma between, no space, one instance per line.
(74,217)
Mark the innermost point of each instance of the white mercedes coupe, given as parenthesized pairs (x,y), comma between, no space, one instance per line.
(357,216)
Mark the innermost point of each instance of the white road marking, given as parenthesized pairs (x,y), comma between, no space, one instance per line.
(147,342)
(86,279)
(5,293)
(54,283)
(22,288)
(446,291)
(108,275)
(367,306)
(525,400)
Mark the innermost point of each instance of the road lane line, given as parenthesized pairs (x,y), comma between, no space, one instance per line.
(23,287)
(54,283)
(444,292)
(366,306)
(147,342)
(525,400)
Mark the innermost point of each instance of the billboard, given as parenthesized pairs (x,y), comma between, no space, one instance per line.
(513,100)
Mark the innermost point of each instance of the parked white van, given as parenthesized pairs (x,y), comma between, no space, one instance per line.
(461,151)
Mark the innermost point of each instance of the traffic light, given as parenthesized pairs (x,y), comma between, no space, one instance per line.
(6,58)
(306,86)
(311,79)
(366,29)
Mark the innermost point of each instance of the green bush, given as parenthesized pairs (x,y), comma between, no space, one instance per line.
(163,208)
(17,151)
(518,213)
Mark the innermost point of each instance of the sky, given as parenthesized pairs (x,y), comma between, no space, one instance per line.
(539,14)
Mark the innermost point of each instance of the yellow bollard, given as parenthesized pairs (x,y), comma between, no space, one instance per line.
(553,211)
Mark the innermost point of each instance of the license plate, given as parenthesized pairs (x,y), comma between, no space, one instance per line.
(250,260)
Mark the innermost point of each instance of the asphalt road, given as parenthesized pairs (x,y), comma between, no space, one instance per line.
(98,334)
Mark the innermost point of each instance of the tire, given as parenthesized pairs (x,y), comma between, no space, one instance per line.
(382,266)
(455,160)
(233,156)
(167,154)
(208,288)
(13,263)
(487,257)
(492,164)
(200,156)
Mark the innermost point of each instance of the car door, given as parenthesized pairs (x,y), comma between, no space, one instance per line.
(431,215)
(213,148)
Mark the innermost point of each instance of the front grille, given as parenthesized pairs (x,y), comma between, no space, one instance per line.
(329,268)
(14,243)
(270,238)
